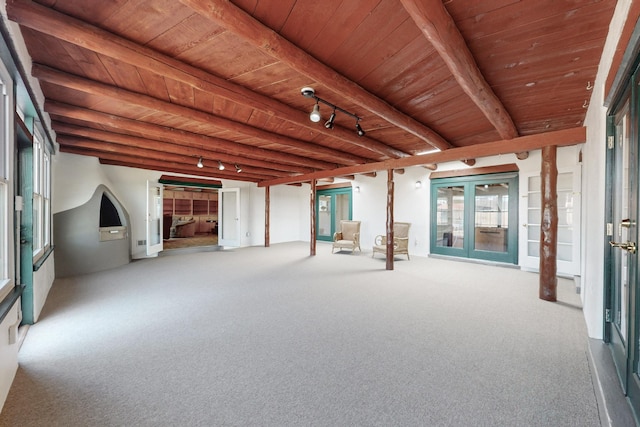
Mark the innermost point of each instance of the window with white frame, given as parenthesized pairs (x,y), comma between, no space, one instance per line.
(41,196)
(5,86)
(47,199)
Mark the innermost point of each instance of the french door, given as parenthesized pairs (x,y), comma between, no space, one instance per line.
(154,218)
(332,206)
(476,217)
(568,250)
(229,217)
(621,293)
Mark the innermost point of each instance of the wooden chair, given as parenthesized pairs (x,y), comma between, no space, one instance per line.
(400,240)
(348,237)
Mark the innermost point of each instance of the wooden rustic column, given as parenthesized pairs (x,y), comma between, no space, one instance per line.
(312,208)
(267,213)
(390,219)
(549,224)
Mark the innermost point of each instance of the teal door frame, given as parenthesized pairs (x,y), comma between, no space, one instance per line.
(333,193)
(469,183)
(622,177)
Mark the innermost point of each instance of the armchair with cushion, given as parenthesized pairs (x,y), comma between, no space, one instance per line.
(348,237)
(400,240)
(185,227)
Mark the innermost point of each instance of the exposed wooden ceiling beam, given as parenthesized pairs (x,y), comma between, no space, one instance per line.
(93,148)
(436,24)
(160,166)
(215,174)
(71,30)
(71,81)
(124,143)
(180,137)
(242,24)
(524,143)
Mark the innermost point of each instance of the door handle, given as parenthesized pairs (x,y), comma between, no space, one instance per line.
(627,246)
(627,223)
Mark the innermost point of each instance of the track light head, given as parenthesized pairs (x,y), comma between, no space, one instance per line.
(329,123)
(315,114)
(220,165)
(308,92)
(238,168)
(359,129)
(200,164)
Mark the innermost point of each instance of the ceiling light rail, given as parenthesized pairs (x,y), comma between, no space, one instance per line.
(315,116)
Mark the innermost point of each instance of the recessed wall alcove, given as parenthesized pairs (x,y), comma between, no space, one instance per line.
(92,237)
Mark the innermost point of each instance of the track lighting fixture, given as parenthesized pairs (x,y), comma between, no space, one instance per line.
(220,165)
(199,164)
(329,123)
(315,116)
(238,168)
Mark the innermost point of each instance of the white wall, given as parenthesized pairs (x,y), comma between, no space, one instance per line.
(42,282)
(8,350)
(75,179)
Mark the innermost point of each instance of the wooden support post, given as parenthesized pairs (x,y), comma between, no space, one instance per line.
(549,225)
(267,213)
(390,194)
(312,208)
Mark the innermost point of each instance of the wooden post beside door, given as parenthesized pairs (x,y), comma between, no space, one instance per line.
(390,195)
(312,208)
(267,213)
(549,224)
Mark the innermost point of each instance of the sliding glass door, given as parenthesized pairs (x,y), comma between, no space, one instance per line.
(475,217)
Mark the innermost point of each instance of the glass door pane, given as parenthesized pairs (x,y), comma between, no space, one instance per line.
(343,208)
(450,217)
(154,218)
(324,217)
(491,217)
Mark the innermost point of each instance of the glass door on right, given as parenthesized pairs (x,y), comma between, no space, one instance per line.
(621,316)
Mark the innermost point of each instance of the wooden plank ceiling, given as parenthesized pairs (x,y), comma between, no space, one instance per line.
(157,84)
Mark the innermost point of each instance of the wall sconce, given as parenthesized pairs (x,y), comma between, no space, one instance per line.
(356,189)
(238,168)
(418,184)
(199,164)
(309,92)
(220,165)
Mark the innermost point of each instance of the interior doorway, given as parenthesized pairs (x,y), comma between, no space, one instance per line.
(189,217)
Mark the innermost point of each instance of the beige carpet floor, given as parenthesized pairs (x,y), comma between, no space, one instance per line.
(274,337)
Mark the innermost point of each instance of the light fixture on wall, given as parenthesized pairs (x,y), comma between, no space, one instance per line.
(238,168)
(315,116)
(220,165)
(418,184)
(356,189)
(199,164)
